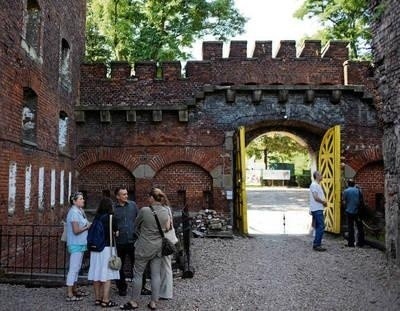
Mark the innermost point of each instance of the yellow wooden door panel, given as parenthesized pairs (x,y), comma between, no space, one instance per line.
(329,166)
(240,212)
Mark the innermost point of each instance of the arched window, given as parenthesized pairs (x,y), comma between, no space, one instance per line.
(63,132)
(65,65)
(33,28)
(29,112)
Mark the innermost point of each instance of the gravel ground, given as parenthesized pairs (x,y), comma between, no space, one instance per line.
(266,272)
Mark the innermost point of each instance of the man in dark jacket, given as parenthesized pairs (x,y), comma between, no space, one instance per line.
(125,212)
(352,199)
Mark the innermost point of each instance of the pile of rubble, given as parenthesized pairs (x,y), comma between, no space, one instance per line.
(208,223)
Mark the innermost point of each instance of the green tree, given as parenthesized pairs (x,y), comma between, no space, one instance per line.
(274,148)
(342,20)
(156,29)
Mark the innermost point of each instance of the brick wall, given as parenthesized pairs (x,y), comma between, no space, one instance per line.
(386,46)
(371,179)
(185,183)
(38,70)
(101,179)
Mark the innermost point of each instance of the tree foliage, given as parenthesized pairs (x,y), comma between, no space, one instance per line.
(348,20)
(156,30)
(274,148)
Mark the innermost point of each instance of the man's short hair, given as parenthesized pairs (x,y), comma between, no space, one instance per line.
(116,191)
(315,174)
(351,182)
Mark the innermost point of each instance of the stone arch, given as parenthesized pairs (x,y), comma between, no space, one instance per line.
(125,159)
(186,183)
(99,179)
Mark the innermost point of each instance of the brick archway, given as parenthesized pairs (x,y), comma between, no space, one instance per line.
(186,183)
(362,158)
(99,179)
(206,160)
(125,159)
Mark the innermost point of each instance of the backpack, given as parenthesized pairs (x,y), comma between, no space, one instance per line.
(96,240)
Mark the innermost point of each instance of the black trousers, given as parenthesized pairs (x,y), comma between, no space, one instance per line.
(124,251)
(351,220)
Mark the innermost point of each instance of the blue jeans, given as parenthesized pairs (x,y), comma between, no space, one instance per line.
(318,219)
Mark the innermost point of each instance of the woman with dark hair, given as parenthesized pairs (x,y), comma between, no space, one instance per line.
(77,226)
(99,271)
(148,246)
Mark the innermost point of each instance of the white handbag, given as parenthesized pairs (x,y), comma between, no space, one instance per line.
(114,262)
(64,234)
(170,234)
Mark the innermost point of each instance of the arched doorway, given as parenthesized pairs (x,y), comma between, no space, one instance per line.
(328,149)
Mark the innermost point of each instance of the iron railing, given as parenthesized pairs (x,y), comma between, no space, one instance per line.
(32,250)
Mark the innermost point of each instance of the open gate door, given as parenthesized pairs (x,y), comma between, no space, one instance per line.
(329,167)
(240,205)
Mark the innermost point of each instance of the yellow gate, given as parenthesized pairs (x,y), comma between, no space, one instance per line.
(329,166)
(240,206)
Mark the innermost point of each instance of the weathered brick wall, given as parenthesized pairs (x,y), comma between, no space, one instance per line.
(97,179)
(386,44)
(371,177)
(21,67)
(147,123)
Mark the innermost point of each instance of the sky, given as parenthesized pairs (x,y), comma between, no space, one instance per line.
(269,20)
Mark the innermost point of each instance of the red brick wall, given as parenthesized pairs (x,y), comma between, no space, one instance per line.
(371,179)
(185,180)
(19,70)
(103,176)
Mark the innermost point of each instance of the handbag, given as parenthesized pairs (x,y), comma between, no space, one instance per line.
(170,234)
(64,234)
(114,262)
(167,247)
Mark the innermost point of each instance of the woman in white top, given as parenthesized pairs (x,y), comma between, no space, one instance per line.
(77,226)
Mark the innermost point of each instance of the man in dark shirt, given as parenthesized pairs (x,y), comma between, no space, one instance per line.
(351,200)
(125,212)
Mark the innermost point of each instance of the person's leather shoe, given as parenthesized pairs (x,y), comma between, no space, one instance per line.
(319,248)
(145,291)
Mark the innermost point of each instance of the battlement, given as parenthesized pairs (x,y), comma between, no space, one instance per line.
(336,51)
(167,85)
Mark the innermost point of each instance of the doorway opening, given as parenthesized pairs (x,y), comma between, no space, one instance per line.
(278,174)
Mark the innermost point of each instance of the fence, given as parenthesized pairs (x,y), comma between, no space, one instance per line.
(35,254)
(32,250)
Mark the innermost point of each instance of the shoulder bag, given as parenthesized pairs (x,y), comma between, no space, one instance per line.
(170,234)
(114,262)
(167,247)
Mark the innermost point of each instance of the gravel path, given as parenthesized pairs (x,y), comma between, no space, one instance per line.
(264,272)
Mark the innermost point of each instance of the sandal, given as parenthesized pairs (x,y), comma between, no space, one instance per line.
(97,302)
(128,306)
(151,307)
(108,304)
(73,298)
(81,293)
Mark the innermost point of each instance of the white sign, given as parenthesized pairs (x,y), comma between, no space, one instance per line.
(276,174)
